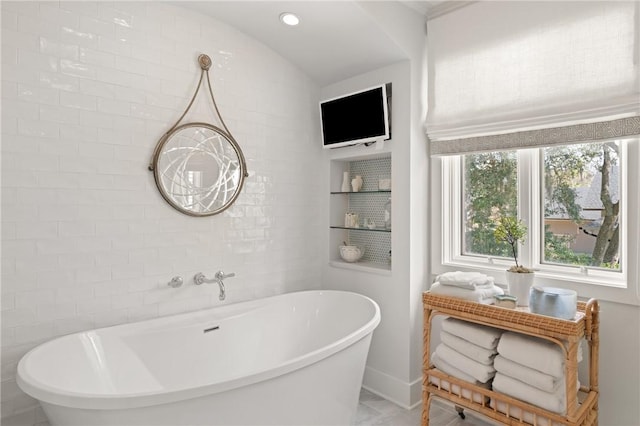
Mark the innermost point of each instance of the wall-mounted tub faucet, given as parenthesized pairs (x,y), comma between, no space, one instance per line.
(199,278)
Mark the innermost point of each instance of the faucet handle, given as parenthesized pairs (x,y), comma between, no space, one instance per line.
(175,282)
(220,275)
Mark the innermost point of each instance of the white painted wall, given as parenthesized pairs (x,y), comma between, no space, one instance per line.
(395,359)
(619,364)
(387,371)
(87,90)
(409,32)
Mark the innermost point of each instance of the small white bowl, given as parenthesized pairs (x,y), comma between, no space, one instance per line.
(351,253)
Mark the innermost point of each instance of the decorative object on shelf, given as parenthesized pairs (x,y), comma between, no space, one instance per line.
(346,187)
(356,183)
(387,214)
(369,223)
(351,253)
(351,220)
(512,231)
(198,167)
(506,301)
(553,302)
(384,184)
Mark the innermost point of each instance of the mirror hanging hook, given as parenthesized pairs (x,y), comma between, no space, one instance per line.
(204,61)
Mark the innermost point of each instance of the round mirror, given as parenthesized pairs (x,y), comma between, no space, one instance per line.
(199,169)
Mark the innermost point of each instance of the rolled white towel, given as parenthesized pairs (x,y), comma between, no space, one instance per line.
(533,352)
(449,369)
(552,401)
(525,374)
(480,372)
(468,280)
(468,349)
(484,295)
(481,335)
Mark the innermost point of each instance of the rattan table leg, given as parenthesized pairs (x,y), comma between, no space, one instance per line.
(426,406)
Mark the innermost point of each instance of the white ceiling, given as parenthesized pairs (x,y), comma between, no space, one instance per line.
(334,41)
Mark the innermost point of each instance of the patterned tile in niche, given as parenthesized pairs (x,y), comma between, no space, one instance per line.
(377,245)
(371,170)
(371,206)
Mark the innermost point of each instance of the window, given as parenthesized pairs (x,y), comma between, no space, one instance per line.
(490,189)
(582,205)
(581,87)
(573,199)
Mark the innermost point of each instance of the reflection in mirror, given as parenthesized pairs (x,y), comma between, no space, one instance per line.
(199,169)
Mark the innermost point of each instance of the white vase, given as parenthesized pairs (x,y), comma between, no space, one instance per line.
(519,285)
(345,182)
(356,183)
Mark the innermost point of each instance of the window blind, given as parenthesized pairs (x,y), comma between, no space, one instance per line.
(506,75)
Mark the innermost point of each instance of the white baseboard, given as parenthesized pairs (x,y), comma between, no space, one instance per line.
(406,395)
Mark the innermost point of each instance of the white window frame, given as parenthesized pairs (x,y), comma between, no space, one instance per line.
(529,204)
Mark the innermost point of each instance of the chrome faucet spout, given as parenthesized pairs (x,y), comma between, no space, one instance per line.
(223,294)
(199,278)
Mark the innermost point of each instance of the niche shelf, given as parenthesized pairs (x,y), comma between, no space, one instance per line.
(368,203)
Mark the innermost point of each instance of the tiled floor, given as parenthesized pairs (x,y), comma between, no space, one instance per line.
(377,411)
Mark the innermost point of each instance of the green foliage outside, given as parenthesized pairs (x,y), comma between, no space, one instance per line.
(490,192)
(557,249)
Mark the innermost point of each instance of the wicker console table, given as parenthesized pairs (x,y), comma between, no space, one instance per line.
(582,404)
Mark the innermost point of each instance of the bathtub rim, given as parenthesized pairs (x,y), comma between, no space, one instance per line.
(57,396)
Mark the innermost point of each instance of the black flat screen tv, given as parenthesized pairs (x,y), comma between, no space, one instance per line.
(355,118)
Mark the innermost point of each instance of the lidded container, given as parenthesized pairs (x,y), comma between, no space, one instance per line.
(553,302)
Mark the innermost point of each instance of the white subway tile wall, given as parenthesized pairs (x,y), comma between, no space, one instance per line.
(88,88)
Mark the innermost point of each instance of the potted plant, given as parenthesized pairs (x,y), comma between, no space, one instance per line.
(512,231)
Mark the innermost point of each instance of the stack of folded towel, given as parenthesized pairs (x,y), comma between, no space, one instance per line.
(466,352)
(531,370)
(472,286)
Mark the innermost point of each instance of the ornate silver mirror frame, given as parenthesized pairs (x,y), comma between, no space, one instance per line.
(199,168)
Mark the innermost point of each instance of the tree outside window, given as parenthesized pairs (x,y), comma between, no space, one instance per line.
(582,205)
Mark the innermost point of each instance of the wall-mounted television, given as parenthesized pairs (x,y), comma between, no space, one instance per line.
(355,118)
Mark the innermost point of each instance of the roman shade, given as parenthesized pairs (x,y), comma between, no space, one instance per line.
(508,75)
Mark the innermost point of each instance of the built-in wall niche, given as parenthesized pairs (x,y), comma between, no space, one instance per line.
(368,204)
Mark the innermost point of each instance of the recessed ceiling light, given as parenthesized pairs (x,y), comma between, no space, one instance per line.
(289,18)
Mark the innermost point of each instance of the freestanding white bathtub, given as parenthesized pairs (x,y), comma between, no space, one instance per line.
(293,359)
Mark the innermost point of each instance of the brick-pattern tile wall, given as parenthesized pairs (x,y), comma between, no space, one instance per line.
(87,241)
